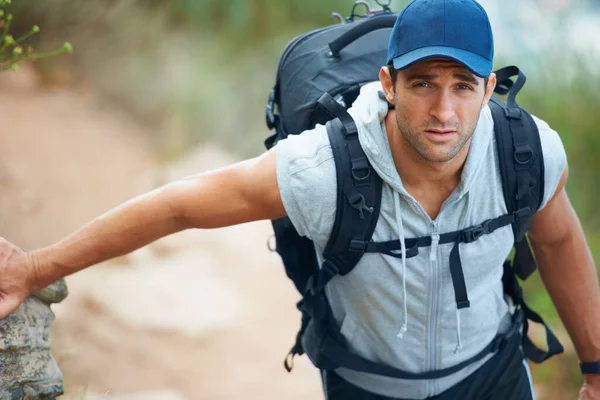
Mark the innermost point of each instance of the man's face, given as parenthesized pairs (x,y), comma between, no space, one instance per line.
(437,104)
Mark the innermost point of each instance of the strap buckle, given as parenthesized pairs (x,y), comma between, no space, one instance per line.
(359,246)
(328,270)
(500,341)
(523,212)
(518,319)
(512,113)
(475,232)
(270,116)
(498,344)
(318,280)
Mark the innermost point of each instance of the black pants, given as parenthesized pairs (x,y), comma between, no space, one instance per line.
(502,377)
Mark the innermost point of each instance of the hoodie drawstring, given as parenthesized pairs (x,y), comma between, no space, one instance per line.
(398,212)
(459,339)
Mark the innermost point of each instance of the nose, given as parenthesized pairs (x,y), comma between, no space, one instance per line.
(443,109)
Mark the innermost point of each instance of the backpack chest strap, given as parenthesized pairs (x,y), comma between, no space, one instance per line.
(468,235)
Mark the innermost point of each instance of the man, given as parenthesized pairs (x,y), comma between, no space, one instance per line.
(428,132)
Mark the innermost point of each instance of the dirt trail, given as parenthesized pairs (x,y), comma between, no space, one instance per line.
(198,315)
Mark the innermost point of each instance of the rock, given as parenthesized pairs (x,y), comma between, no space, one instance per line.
(27,368)
(54,293)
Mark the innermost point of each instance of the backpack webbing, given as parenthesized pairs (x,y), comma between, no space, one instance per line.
(359,196)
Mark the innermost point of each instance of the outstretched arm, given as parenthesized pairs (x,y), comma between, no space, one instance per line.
(567,270)
(244,192)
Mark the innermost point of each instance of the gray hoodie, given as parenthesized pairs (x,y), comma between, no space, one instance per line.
(402,312)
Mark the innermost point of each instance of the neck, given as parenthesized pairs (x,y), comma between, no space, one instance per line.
(414,170)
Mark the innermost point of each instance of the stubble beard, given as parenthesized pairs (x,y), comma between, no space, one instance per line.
(413,137)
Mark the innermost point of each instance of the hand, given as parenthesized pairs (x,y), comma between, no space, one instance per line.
(16,277)
(591,388)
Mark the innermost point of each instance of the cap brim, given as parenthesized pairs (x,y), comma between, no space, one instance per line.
(480,66)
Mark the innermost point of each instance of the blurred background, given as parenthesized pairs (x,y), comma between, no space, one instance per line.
(157,90)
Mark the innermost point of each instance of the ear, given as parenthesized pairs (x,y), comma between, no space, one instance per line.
(489,90)
(388,87)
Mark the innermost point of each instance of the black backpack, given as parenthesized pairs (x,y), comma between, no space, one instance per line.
(319,76)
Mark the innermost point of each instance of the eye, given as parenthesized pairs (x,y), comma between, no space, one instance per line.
(421,85)
(462,86)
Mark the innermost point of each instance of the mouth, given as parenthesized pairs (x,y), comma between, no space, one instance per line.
(441,131)
(440,134)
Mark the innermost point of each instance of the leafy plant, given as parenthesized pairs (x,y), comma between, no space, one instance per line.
(13,51)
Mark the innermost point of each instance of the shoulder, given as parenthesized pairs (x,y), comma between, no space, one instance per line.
(307,182)
(304,151)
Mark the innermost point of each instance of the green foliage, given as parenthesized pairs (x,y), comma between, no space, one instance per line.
(569,103)
(12,51)
(255,20)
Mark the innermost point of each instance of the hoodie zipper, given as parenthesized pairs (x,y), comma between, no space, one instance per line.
(433,316)
(433,323)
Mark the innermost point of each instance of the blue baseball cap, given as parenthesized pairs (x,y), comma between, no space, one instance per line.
(455,29)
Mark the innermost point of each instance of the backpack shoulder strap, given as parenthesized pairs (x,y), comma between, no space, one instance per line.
(357,211)
(521,163)
(358,195)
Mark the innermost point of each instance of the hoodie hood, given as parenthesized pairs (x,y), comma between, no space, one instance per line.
(369,111)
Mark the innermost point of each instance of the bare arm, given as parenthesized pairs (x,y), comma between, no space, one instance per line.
(567,270)
(244,192)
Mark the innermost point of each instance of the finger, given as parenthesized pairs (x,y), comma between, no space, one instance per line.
(8,306)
